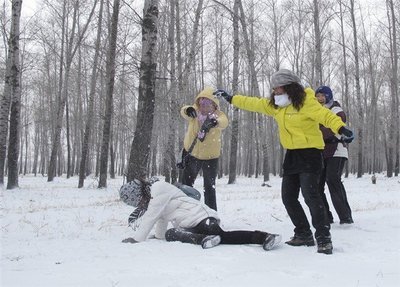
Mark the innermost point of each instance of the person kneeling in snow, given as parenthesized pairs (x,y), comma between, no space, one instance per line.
(157,203)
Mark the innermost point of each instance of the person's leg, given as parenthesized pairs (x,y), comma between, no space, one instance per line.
(210,170)
(186,236)
(321,190)
(210,226)
(336,189)
(312,198)
(190,171)
(182,235)
(290,198)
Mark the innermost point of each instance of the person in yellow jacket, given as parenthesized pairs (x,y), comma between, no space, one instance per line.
(205,123)
(298,115)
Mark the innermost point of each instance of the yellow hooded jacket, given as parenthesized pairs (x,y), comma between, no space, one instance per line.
(210,148)
(297,129)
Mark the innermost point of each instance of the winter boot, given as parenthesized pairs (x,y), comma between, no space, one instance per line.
(210,241)
(347,221)
(325,248)
(271,241)
(300,241)
(177,234)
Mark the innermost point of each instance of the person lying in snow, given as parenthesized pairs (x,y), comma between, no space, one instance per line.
(157,203)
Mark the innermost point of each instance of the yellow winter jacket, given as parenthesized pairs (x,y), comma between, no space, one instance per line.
(297,129)
(210,148)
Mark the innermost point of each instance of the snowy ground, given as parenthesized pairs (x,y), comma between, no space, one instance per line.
(54,234)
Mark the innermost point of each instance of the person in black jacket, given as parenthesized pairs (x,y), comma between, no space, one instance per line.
(335,156)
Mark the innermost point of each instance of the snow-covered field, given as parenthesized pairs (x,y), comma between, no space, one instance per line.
(54,234)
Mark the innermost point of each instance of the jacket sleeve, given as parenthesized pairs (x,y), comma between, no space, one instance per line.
(253,104)
(183,112)
(320,114)
(161,228)
(222,120)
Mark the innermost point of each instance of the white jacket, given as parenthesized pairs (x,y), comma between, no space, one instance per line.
(169,204)
(341,150)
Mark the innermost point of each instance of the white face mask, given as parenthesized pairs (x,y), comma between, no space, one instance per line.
(282,100)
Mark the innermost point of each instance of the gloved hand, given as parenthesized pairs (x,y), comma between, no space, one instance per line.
(223,94)
(191,112)
(208,124)
(347,135)
(129,240)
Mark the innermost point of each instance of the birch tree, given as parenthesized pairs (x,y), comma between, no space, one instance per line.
(15,96)
(140,149)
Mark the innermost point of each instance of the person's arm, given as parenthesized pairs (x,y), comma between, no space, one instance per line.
(161,228)
(188,112)
(253,104)
(222,120)
(322,115)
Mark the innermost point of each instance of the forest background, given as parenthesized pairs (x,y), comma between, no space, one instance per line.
(94,87)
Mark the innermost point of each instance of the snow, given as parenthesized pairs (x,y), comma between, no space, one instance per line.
(54,234)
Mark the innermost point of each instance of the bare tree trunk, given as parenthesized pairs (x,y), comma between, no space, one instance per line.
(254,82)
(140,150)
(346,75)
(110,76)
(318,52)
(4,116)
(71,50)
(90,111)
(68,139)
(174,105)
(360,136)
(15,112)
(394,110)
(235,87)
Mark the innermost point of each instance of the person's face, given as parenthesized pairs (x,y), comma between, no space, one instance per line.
(206,106)
(278,91)
(321,98)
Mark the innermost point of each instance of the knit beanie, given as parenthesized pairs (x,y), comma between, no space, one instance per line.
(130,193)
(283,77)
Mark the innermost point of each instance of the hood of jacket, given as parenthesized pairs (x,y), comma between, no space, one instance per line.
(206,93)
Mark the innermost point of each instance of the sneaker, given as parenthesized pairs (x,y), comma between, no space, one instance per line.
(347,221)
(300,241)
(325,248)
(210,241)
(271,241)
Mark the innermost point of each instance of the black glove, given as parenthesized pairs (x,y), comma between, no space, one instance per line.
(347,135)
(191,112)
(129,240)
(223,94)
(208,124)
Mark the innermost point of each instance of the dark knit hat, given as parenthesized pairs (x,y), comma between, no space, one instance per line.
(326,91)
(283,77)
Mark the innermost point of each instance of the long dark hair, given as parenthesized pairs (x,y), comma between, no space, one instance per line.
(296,95)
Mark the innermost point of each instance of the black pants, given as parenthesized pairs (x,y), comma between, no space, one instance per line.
(308,183)
(210,171)
(210,226)
(331,174)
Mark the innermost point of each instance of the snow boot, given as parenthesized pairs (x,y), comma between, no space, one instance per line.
(300,241)
(271,241)
(182,235)
(325,248)
(210,241)
(347,221)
